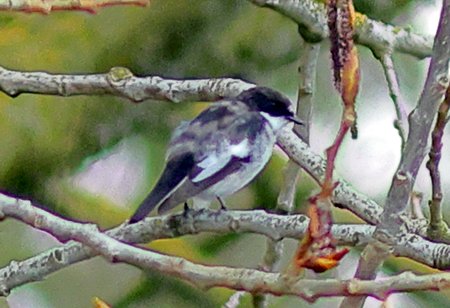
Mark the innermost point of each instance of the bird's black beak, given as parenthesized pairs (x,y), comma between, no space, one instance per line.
(294,119)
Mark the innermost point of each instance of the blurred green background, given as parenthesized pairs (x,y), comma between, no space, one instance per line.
(93,159)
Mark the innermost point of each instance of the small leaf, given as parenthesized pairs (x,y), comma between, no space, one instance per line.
(318,250)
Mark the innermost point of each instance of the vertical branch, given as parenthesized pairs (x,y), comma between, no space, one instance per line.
(394,92)
(371,259)
(285,202)
(437,228)
(392,226)
(307,74)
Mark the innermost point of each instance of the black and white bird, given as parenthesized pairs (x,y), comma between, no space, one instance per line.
(220,151)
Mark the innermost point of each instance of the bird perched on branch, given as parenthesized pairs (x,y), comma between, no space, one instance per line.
(220,151)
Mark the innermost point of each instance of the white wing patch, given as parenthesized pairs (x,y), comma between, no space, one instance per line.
(215,161)
(241,149)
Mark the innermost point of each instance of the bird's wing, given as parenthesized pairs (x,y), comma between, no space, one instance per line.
(227,137)
(188,189)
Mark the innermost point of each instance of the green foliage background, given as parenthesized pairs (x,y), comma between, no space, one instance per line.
(46,140)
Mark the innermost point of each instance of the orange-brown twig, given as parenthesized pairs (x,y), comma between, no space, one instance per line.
(318,249)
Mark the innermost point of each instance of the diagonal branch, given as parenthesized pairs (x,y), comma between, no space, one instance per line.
(421,120)
(391,227)
(152,228)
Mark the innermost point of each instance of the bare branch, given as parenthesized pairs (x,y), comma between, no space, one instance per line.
(46,7)
(311,18)
(274,226)
(307,73)
(36,268)
(372,257)
(437,229)
(394,91)
(119,82)
(200,275)
(421,120)
(343,195)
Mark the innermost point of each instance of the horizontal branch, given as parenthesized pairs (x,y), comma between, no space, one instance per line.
(119,81)
(46,7)
(310,15)
(152,228)
(200,275)
(274,226)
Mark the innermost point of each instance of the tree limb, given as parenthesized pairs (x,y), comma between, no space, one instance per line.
(437,229)
(311,17)
(394,92)
(200,275)
(273,226)
(392,227)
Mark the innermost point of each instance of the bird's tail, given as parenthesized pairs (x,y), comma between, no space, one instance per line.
(150,202)
(176,170)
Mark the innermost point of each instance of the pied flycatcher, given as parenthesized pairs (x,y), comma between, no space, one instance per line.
(220,151)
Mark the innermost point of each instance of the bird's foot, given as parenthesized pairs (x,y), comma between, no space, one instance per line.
(186,210)
(223,207)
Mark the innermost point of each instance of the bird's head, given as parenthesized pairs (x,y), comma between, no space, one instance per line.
(276,107)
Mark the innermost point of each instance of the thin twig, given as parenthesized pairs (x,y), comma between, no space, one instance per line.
(437,228)
(421,120)
(307,74)
(394,91)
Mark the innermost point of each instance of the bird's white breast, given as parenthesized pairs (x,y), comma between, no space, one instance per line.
(275,122)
